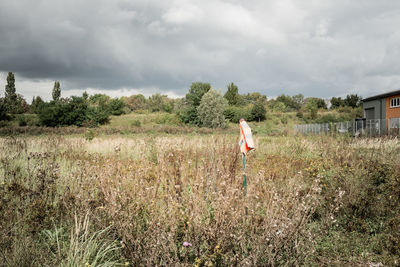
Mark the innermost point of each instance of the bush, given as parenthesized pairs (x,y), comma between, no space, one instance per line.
(299,115)
(27,120)
(234,114)
(189,116)
(136,123)
(116,107)
(211,109)
(73,111)
(170,119)
(327,118)
(90,134)
(3,110)
(258,112)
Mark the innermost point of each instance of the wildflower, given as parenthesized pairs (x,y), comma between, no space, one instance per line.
(187,244)
(127,263)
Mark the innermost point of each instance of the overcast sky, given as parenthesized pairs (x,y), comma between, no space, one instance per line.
(317,48)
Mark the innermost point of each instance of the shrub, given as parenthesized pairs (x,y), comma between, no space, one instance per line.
(327,118)
(170,119)
(189,116)
(211,109)
(90,134)
(299,115)
(234,114)
(73,111)
(258,112)
(116,106)
(136,123)
(27,120)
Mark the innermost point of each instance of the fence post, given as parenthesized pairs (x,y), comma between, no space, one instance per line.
(379,124)
(362,126)
(370,128)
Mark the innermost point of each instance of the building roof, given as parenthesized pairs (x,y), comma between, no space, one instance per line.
(392,93)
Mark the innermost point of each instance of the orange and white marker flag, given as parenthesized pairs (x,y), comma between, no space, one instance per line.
(246,139)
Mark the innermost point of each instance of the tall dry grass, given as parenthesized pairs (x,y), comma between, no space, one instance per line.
(156,194)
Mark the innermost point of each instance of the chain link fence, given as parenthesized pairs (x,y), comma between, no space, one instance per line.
(358,127)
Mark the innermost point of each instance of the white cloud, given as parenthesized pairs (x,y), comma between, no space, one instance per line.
(182,13)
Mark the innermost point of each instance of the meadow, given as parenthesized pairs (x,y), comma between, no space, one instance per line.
(157,199)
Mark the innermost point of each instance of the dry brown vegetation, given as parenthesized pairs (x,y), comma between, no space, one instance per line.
(310,201)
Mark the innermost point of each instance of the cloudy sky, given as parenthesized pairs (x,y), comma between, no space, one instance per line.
(317,48)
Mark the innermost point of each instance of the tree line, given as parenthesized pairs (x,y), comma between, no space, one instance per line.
(201,106)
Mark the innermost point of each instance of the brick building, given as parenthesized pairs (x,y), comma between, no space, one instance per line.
(385,107)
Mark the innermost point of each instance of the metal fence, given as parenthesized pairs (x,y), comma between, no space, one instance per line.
(359,127)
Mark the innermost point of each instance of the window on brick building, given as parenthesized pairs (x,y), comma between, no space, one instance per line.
(395,102)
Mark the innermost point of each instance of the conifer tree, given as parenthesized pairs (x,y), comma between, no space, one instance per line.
(56,91)
(232,94)
(10,93)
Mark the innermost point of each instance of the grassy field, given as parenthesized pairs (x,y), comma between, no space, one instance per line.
(134,200)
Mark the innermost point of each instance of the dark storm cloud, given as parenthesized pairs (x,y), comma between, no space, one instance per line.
(320,48)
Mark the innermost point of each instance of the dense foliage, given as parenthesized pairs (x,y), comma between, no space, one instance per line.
(94,110)
(232,95)
(211,109)
(72,111)
(258,111)
(56,91)
(193,99)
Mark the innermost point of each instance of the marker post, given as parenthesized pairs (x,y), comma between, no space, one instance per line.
(244,182)
(245,144)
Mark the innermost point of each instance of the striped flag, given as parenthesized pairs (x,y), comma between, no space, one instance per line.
(246,139)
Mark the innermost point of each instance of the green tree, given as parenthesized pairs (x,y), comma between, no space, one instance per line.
(99,99)
(85,95)
(252,98)
(353,101)
(155,102)
(336,102)
(279,106)
(321,104)
(189,115)
(135,102)
(258,111)
(21,105)
(196,92)
(3,110)
(235,113)
(72,111)
(37,102)
(312,107)
(116,106)
(299,100)
(232,95)
(192,100)
(290,103)
(211,109)
(56,91)
(10,93)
